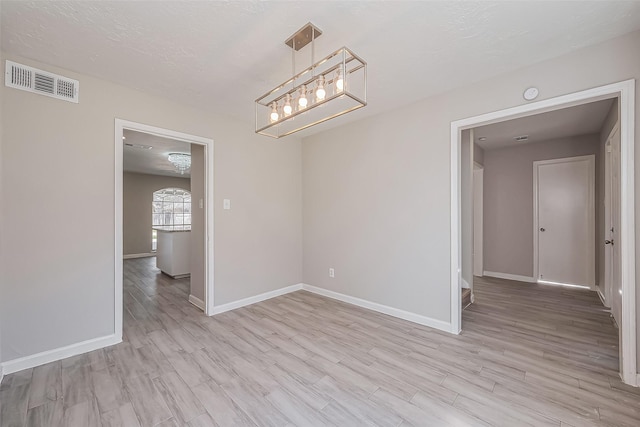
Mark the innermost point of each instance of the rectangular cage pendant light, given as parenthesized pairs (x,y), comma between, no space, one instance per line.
(330,87)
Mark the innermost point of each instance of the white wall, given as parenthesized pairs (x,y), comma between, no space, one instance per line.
(137,197)
(376,192)
(58,209)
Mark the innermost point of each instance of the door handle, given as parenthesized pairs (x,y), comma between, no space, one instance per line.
(542,229)
(608,242)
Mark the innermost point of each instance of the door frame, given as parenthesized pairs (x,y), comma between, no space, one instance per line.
(608,293)
(120,126)
(591,158)
(625,92)
(478,214)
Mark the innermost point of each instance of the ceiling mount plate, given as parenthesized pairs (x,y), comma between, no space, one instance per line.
(303,36)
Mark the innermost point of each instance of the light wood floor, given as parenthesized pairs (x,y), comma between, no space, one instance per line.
(529,355)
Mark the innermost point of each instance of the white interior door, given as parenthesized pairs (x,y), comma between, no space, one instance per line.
(613,284)
(565,220)
(478,262)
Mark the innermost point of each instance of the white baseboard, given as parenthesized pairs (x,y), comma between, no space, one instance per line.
(145,255)
(507,276)
(38,359)
(380,308)
(391,311)
(1,373)
(197,302)
(255,299)
(637,384)
(465,284)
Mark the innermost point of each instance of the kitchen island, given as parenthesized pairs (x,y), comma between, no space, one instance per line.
(173,250)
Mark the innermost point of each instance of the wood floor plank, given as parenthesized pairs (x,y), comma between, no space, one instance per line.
(149,405)
(123,416)
(13,405)
(184,405)
(46,384)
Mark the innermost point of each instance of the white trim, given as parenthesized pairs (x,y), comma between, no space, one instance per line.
(591,227)
(256,298)
(601,295)
(465,284)
(197,302)
(143,255)
(38,359)
(1,373)
(508,276)
(625,90)
(456,226)
(637,384)
(120,125)
(478,218)
(627,232)
(391,311)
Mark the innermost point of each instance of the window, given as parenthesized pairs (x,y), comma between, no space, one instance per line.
(171,207)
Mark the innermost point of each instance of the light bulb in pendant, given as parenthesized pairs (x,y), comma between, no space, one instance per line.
(339,80)
(287,106)
(302,101)
(274,113)
(320,92)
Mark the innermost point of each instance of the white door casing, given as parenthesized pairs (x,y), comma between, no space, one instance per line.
(613,286)
(478,189)
(564,221)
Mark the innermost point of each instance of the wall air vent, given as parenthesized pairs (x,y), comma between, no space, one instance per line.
(31,79)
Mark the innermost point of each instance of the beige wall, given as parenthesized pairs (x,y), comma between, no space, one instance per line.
(198,229)
(376,192)
(58,209)
(137,196)
(508,200)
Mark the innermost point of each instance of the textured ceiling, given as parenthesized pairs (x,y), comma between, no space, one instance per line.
(220,56)
(579,120)
(152,161)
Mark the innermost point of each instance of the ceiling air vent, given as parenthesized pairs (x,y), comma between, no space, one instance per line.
(31,79)
(521,138)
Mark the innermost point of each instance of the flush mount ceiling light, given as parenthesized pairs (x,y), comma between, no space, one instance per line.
(330,87)
(181,161)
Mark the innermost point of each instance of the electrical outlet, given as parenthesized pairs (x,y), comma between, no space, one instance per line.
(332,272)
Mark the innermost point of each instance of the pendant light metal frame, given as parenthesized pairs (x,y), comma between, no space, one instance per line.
(351,97)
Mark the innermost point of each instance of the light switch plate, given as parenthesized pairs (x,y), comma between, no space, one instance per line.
(226,204)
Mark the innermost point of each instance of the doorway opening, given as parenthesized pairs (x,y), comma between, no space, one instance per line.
(195,217)
(623,93)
